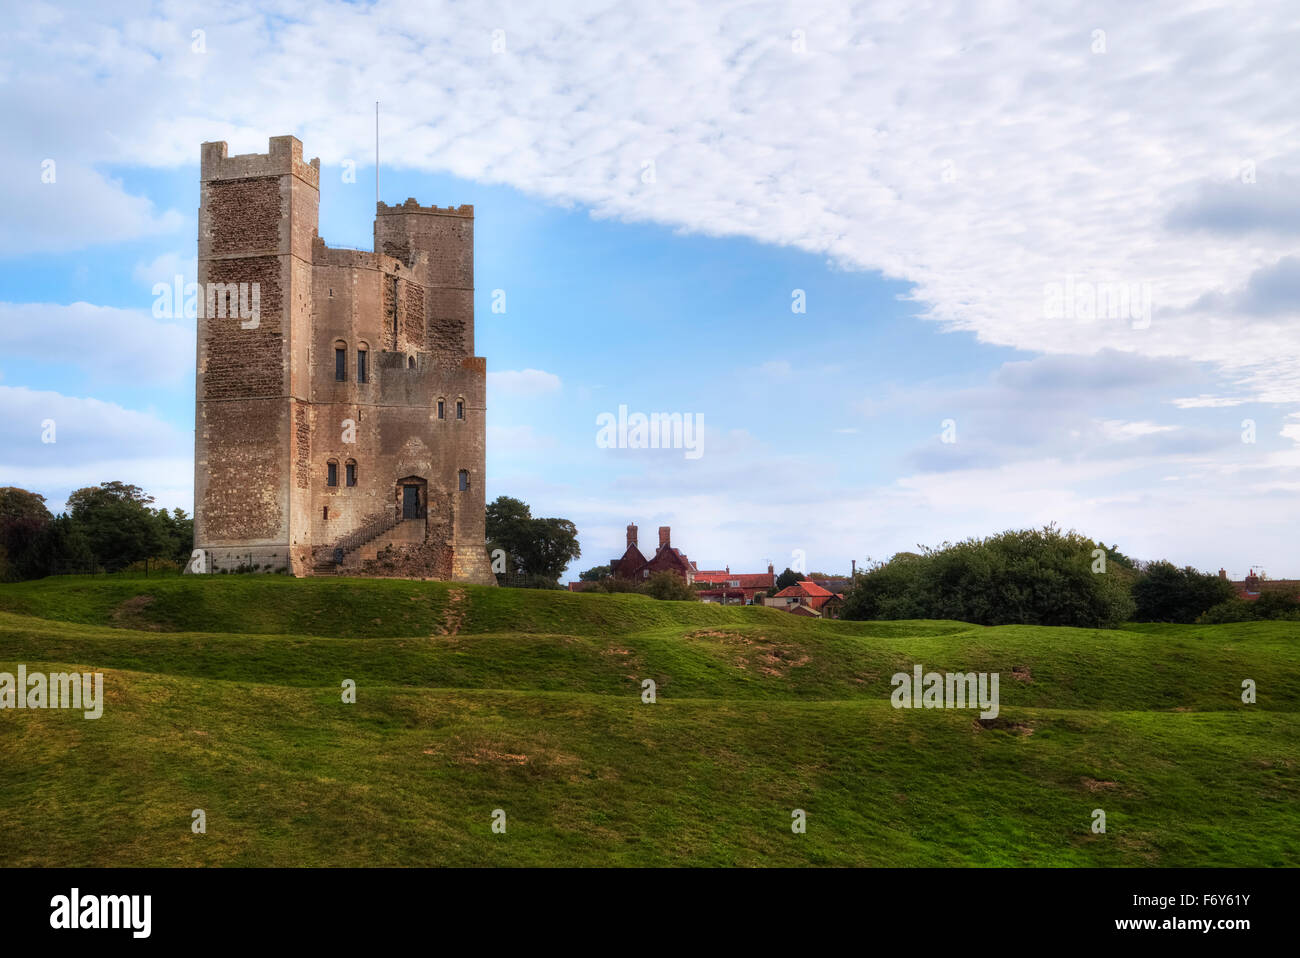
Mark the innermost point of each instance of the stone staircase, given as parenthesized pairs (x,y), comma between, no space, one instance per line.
(365,543)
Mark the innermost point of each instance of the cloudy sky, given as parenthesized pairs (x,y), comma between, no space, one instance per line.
(1049,258)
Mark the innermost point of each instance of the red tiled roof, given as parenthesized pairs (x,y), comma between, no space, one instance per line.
(806,588)
(747,580)
(815,594)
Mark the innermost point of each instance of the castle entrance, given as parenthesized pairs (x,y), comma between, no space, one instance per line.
(410,502)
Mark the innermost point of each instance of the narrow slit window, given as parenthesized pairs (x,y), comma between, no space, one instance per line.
(340,365)
(442,409)
(464,480)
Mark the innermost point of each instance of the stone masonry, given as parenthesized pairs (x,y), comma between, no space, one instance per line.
(347,421)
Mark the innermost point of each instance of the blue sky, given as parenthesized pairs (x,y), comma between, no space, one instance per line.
(924,199)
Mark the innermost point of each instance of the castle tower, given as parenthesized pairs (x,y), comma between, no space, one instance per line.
(346,428)
(257,219)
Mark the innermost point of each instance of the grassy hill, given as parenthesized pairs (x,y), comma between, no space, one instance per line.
(223,693)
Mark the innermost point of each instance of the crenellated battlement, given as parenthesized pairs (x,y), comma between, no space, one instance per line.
(326,255)
(353,393)
(284,155)
(411,206)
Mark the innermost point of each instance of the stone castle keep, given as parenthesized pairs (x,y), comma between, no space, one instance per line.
(342,429)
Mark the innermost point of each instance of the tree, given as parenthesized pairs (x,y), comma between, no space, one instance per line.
(176,530)
(1165,593)
(1023,576)
(61,548)
(787,578)
(668,585)
(22,518)
(594,574)
(537,548)
(118,523)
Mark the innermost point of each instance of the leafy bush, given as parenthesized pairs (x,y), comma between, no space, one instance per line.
(526,581)
(668,585)
(1276,605)
(156,566)
(616,584)
(1269,605)
(661,585)
(1019,577)
(1165,593)
(1234,610)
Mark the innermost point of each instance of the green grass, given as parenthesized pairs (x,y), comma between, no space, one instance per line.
(223,693)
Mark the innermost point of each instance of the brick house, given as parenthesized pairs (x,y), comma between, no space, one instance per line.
(635,566)
(734,588)
(807,598)
(1250,587)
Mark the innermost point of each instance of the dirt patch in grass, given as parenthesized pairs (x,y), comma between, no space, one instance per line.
(778,661)
(1092,785)
(1021,673)
(1005,725)
(487,756)
(130,614)
(760,654)
(453,615)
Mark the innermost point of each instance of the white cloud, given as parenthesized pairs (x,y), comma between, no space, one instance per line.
(523,382)
(80,208)
(94,442)
(125,346)
(1118,429)
(1204,401)
(982,153)
(505,441)
(164,268)
(1291,430)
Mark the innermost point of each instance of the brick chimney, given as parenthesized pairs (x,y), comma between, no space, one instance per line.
(772,572)
(631,535)
(663,536)
(1223,573)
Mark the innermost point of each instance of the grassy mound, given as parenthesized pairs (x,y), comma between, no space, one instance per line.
(223,693)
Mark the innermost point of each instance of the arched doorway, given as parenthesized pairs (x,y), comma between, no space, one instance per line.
(412,498)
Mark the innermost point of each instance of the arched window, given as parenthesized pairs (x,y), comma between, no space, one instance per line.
(410,362)
(442,408)
(464,480)
(350,471)
(340,361)
(332,473)
(460,409)
(363,356)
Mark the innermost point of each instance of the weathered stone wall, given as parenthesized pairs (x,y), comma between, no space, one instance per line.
(272,416)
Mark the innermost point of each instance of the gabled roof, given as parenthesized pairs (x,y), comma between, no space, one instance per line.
(815,594)
(807,588)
